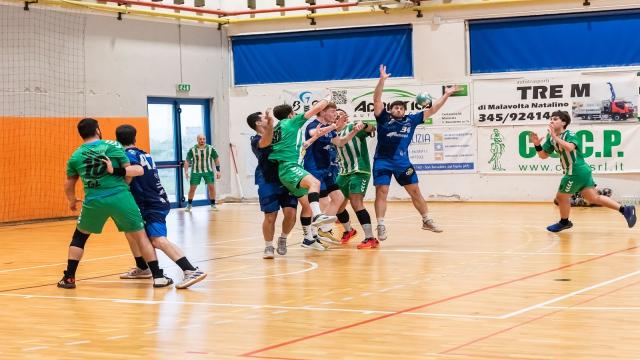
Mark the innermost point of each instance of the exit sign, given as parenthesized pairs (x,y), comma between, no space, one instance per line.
(184,87)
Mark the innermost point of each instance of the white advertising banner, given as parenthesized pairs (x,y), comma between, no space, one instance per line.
(443,150)
(607,148)
(525,101)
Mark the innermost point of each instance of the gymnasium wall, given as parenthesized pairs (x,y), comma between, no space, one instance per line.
(57,67)
(440,46)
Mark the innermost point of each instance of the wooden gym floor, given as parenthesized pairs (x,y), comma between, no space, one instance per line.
(494,285)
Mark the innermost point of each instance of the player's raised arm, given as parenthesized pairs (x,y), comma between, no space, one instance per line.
(378,105)
(319,106)
(440,102)
(341,141)
(318,134)
(536,142)
(267,136)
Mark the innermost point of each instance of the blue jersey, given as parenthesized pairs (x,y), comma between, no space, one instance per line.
(394,136)
(321,154)
(146,189)
(267,170)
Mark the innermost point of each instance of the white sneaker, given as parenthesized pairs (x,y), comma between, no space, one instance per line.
(268,252)
(382,232)
(282,246)
(137,273)
(162,282)
(315,245)
(323,219)
(214,207)
(188,208)
(191,277)
(431,226)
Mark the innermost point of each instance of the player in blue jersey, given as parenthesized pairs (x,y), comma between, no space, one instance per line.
(154,206)
(395,131)
(272,195)
(320,160)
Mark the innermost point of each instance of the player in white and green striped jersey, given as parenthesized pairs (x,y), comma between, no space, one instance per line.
(201,159)
(577,173)
(355,172)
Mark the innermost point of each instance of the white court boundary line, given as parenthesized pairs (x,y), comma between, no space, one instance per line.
(566,296)
(313,267)
(245,306)
(594,308)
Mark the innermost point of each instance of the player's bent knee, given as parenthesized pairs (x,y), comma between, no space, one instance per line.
(79,239)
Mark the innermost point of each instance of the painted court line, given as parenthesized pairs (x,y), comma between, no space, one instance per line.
(35,348)
(560,298)
(595,308)
(412,309)
(449,351)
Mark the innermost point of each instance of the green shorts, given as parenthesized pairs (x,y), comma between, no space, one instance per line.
(290,174)
(354,183)
(196,178)
(121,207)
(573,184)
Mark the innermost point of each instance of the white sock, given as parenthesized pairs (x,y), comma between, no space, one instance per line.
(347,226)
(315,208)
(425,217)
(380,221)
(284,236)
(268,243)
(306,230)
(368,231)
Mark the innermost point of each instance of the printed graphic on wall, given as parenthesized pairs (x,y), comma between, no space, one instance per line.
(588,99)
(607,148)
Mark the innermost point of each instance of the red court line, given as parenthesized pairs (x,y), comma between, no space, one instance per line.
(532,320)
(345,327)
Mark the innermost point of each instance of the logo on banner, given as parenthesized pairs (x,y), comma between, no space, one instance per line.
(497,150)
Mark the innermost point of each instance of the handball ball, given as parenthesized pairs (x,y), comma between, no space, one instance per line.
(423,99)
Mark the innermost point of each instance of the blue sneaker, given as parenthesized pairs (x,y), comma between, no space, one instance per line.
(630,215)
(557,227)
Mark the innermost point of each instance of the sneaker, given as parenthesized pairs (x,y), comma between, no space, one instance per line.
(557,227)
(191,277)
(322,219)
(328,237)
(382,232)
(282,246)
(268,252)
(347,235)
(313,244)
(214,207)
(188,208)
(67,282)
(630,215)
(162,282)
(370,243)
(137,273)
(431,226)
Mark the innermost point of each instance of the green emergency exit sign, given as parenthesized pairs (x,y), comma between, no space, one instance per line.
(183,87)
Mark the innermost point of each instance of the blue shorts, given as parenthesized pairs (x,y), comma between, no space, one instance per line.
(327,178)
(155,223)
(405,174)
(274,196)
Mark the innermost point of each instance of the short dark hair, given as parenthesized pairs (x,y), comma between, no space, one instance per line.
(126,135)
(87,127)
(564,117)
(282,111)
(253,119)
(399,103)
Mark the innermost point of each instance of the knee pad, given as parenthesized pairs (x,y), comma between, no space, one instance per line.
(79,239)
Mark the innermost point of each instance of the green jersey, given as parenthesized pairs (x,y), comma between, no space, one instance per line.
(571,161)
(86,162)
(288,137)
(201,160)
(353,157)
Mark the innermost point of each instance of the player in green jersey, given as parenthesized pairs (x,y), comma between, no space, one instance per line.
(577,173)
(201,158)
(107,196)
(288,152)
(355,172)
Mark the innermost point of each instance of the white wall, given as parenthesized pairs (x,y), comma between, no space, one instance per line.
(440,50)
(128,60)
